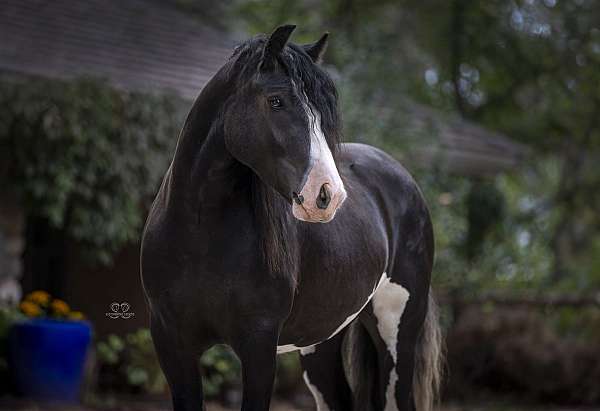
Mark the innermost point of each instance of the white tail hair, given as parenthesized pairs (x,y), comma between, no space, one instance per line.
(429,360)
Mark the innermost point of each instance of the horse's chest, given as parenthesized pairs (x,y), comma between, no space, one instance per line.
(321,313)
(342,267)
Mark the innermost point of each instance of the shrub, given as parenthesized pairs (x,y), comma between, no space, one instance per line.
(516,351)
(85,156)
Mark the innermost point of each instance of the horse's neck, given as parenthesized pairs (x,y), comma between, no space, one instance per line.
(199,128)
(203,174)
(204,178)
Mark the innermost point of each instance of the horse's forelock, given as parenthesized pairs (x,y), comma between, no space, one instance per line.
(311,79)
(314,83)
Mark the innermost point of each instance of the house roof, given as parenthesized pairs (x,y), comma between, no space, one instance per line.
(151,46)
(136,44)
(458,145)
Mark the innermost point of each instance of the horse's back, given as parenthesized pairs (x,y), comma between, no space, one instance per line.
(397,197)
(376,171)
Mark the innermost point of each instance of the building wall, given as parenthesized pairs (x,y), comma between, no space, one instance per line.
(11,247)
(92,288)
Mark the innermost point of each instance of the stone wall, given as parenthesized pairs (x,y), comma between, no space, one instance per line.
(12,242)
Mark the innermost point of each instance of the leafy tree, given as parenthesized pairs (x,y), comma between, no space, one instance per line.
(84,156)
(529,68)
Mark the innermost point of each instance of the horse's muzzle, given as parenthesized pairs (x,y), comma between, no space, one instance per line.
(320,198)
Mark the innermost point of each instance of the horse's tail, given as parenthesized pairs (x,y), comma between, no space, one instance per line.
(360,363)
(429,355)
(360,366)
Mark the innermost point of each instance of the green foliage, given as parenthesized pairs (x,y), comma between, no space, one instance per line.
(131,364)
(221,369)
(529,69)
(86,156)
(289,371)
(134,360)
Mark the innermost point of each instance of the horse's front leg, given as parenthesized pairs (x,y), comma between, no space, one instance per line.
(256,347)
(179,363)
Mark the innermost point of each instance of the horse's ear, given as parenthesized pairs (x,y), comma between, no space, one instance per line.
(275,44)
(316,51)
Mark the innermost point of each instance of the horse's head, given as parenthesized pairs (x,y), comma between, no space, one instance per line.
(282,122)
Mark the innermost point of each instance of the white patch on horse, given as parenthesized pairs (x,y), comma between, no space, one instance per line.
(319,400)
(389,303)
(390,393)
(282,349)
(353,316)
(308,350)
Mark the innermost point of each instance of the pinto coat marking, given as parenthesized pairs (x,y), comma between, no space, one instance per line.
(388,306)
(225,259)
(319,400)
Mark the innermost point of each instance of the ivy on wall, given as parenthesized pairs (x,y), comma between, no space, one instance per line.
(85,156)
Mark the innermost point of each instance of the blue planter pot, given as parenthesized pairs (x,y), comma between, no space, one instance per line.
(47,358)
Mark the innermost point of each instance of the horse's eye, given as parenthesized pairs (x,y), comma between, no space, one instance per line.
(275,103)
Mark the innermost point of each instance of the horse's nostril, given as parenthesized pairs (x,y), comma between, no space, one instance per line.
(324,197)
(298,198)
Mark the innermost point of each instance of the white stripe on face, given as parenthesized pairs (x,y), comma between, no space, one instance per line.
(323,172)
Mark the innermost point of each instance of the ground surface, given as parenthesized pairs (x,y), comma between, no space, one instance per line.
(17,405)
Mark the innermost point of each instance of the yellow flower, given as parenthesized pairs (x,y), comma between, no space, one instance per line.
(39,297)
(59,307)
(30,309)
(76,315)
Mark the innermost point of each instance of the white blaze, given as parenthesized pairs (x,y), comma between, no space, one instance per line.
(320,152)
(323,171)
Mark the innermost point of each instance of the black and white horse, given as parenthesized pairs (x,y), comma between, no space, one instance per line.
(231,252)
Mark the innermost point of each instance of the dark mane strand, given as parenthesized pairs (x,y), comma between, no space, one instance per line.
(277,230)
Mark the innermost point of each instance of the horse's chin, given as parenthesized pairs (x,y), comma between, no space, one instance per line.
(316,215)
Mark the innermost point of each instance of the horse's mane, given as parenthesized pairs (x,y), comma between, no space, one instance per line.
(276,226)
